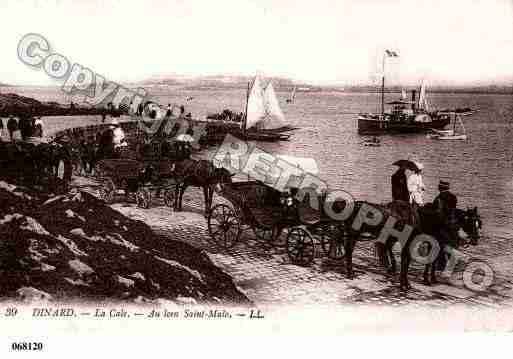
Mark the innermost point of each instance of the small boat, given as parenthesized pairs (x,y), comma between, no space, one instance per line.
(465,111)
(292,96)
(372,142)
(443,132)
(451,134)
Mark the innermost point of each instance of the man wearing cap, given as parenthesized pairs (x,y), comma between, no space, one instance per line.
(445,203)
(416,189)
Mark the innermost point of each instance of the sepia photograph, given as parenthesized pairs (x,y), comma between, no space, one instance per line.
(193,168)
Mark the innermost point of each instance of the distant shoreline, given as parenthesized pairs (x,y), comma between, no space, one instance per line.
(470,91)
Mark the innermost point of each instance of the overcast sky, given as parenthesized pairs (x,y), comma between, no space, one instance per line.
(321,41)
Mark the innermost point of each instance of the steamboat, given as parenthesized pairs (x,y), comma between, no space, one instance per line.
(404,116)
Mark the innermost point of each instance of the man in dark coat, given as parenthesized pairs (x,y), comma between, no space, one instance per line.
(445,204)
(400,186)
(1,128)
(106,144)
(12,126)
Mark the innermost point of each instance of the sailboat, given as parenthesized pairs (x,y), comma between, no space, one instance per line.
(264,118)
(292,96)
(451,134)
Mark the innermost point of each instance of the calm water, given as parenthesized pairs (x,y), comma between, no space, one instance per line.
(479,169)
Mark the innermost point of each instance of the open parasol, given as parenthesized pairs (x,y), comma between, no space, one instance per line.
(409,165)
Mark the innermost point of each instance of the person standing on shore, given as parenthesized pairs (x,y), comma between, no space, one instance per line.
(400,186)
(1,128)
(38,127)
(445,204)
(119,138)
(416,189)
(12,126)
(106,144)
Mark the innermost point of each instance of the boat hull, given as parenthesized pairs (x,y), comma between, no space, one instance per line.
(376,126)
(452,138)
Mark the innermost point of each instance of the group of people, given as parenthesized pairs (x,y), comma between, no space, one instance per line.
(411,190)
(111,140)
(27,126)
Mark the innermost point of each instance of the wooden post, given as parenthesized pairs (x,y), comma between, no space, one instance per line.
(383,90)
(244,123)
(383,97)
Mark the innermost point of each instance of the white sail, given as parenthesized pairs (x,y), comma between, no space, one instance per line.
(403,95)
(274,117)
(255,108)
(423,104)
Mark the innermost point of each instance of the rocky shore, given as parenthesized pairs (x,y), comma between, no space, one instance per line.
(75,247)
(16,105)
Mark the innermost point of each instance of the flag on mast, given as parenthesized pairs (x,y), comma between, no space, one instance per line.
(391,53)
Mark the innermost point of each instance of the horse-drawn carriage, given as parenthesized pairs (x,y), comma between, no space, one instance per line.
(271,214)
(141,171)
(130,176)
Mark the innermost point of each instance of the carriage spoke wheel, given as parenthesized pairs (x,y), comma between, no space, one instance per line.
(300,246)
(143,198)
(224,225)
(106,191)
(169,198)
(332,239)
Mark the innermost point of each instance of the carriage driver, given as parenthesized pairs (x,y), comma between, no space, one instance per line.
(119,135)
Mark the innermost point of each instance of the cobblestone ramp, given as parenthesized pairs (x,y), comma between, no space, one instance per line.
(268,278)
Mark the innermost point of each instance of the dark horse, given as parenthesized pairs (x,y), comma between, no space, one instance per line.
(469,221)
(37,164)
(367,220)
(198,173)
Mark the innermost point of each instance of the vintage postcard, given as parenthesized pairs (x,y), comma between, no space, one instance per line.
(194,168)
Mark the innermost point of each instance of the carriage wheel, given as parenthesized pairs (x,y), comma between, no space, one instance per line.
(169,198)
(224,225)
(300,246)
(332,239)
(143,198)
(106,191)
